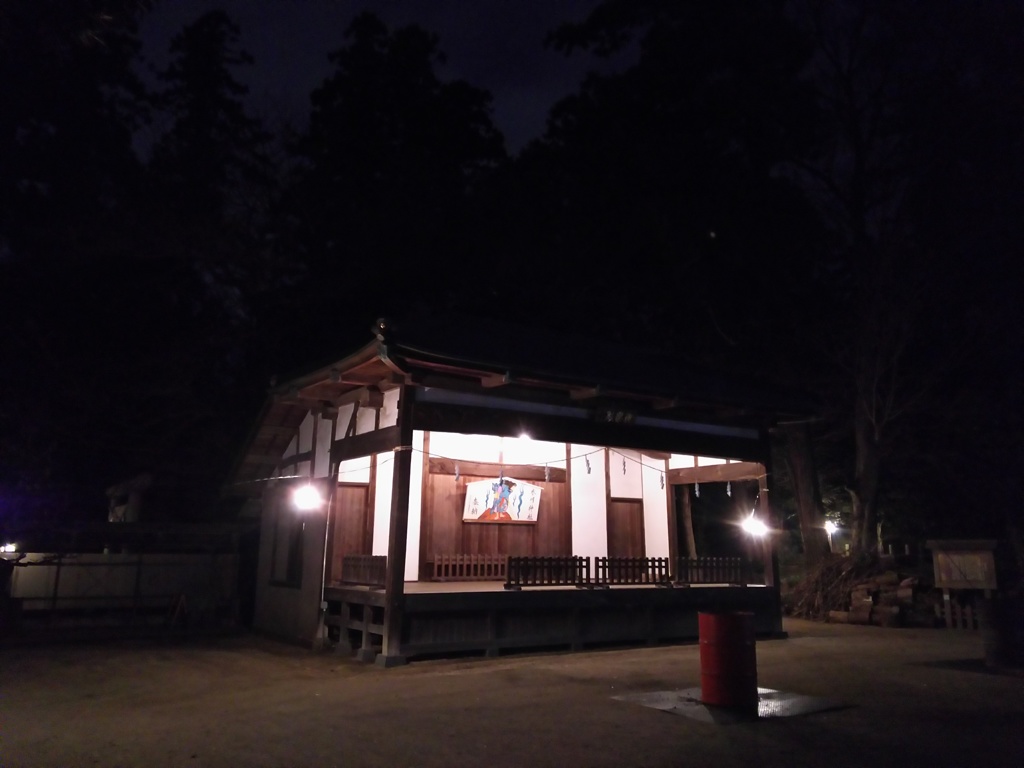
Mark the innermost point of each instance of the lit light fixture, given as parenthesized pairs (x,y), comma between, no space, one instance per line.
(307,498)
(754,526)
(830,528)
(9,548)
(524,436)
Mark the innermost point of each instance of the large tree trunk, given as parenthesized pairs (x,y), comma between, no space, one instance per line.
(806,491)
(864,492)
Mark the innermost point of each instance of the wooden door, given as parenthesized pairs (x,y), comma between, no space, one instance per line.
(353,526)
(626,528)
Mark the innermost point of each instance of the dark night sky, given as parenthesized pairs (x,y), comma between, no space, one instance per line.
(493,45)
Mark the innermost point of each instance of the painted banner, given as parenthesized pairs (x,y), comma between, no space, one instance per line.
(502,500)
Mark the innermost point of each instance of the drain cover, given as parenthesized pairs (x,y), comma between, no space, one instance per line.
(771,703)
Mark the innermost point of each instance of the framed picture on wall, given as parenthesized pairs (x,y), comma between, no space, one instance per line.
(502,500)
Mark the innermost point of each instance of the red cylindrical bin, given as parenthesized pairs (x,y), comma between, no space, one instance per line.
(728,660)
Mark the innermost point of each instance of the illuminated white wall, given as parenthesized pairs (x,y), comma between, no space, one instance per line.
(366,420)
(389,413)
(624,474)
(354,470)
(344,416)
(451,445)
(655,494)
(679,461)
(322,454)
(384,485)
(382,502)
(589,502)
(412,544)
(520,450)
(305,443)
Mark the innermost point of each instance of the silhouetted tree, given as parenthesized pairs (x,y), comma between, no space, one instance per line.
(384,171)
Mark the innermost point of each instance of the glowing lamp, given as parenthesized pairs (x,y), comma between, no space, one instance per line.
(830,527)
(307,498)
(754,526)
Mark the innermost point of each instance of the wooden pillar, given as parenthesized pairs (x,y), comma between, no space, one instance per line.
(394,580)
(687,505)
(771,556)
(673,519)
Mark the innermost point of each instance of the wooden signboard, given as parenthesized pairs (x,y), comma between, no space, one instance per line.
(964,564)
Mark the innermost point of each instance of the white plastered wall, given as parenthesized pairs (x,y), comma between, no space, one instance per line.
(290,612)
(293,612)
(655,506)
(589,501)
(624,474)
(389,413)
(412,541)
(382,501)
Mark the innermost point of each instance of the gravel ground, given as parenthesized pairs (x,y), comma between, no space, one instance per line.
(914,698)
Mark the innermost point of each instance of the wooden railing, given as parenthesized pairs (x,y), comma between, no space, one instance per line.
(366,570)
(547,572)
(523,571)
(632,570)
(711,570)
(470,567)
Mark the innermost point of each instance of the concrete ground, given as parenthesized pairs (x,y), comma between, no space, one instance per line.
(913,697)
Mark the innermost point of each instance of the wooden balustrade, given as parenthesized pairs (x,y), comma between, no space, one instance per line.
(528,571)
(632,570)
(547,572)
(470,567)
(711,570)
(366,570)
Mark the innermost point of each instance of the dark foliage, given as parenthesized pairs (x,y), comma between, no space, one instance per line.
(825,195)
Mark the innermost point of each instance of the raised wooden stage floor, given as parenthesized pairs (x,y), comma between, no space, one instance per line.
(481,616)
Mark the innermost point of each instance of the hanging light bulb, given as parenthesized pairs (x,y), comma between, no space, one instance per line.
(307,498)
(728,489)
(547,474)
(456,473)
(696,490)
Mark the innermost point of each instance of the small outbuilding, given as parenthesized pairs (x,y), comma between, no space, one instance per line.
(466,486)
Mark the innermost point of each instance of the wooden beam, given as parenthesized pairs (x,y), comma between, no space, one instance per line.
(716,473)
(496,380)
(265,459)
(303,402)
(585,393)
(441,417)
(295,458)
(442,466)
(660,455)
(366,444)
(363,397)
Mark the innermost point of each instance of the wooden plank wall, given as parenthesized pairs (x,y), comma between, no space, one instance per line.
(443,531)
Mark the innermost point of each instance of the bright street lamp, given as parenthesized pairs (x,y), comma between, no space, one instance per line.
(830,528)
